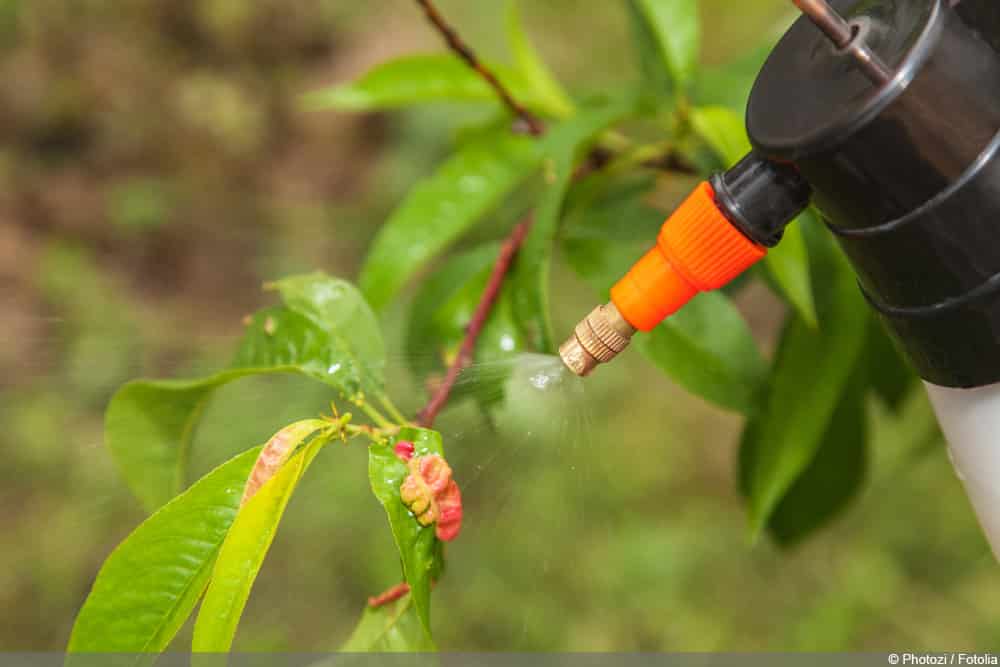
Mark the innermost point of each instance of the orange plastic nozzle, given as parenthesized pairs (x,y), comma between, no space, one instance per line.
(698,250)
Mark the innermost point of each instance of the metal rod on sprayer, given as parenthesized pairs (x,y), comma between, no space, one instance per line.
(843,35)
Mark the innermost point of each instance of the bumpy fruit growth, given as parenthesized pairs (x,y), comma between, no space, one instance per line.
(430,492)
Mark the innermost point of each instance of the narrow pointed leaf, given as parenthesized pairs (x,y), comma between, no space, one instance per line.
(657,82)
(834,476)
(537,76)
(412,80)
(443,207)
(788,263)
(810,374)
(419,549)
(707,348)
(151,582)
(391,628)
(677,29)
(246,545)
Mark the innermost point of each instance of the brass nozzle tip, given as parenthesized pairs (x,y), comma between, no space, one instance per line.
(598,339)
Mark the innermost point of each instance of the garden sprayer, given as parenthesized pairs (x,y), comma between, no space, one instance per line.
(887,120)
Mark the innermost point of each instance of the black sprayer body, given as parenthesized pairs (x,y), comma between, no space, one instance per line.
(906,174)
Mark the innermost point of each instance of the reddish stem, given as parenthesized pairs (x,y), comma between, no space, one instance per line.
(533,124)
(501,268)
(391,595)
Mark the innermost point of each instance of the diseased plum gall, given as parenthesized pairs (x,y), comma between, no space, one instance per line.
(430,493)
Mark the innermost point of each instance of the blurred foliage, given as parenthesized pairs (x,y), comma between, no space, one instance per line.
(155,169)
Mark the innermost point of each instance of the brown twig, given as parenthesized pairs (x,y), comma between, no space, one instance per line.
(533,124)
(501,268)
(391,595)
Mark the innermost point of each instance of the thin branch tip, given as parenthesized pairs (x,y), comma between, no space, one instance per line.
(532,124)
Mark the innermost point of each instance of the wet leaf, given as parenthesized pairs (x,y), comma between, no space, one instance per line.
(413,80)
(338,309)
(810,374)
(531,277)
(788,263)
(391,628)
(246,545)
(419,549)
(677,30)
(151,582)
(150,424)
(537,76)
(443,207)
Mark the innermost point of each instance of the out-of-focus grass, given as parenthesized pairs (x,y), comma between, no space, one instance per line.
(155,172)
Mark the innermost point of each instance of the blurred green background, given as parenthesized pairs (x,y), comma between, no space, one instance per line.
(154,171)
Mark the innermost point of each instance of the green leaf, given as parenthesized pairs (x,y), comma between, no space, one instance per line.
(247,543)
(414,80)
(443,207)
(332,337)
(440,315)
(832,479)
(419,548)
(537,76)
(677,29)
(531,278)
(707,348)
(339,310)
(150,583)
(391,628)
(609,228)
(810,375)
(657,84)
(788,263)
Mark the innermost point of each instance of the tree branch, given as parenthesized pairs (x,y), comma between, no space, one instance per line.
(391,595)
(532,123)
(489,297)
